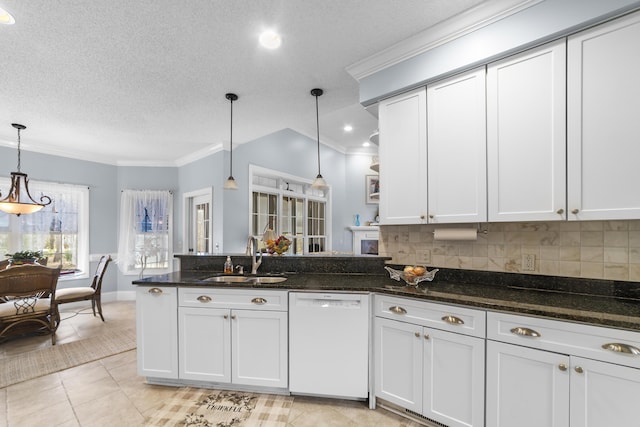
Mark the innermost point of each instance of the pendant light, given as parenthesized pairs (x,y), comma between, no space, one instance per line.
(319,183)
(14,203)
(230,183)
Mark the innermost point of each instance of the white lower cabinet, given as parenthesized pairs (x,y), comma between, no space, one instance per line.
(526,387)
(560,374)
(433,372)
(157,331)
(235,336)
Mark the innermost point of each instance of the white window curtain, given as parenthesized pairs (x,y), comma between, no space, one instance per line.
(146,231)
(60,230)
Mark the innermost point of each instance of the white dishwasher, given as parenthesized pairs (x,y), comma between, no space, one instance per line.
(329,344)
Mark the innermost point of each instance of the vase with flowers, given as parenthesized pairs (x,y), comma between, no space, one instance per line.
(278,246)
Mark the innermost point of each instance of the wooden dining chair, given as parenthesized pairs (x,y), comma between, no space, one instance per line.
(28,301)
(87,293)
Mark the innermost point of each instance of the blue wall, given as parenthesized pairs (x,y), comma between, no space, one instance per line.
(285,151)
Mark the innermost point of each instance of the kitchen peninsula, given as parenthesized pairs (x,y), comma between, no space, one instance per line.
(502,326)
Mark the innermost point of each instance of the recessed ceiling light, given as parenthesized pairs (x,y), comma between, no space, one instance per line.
(348,128)
(6,18)
(366,144)
(270,39)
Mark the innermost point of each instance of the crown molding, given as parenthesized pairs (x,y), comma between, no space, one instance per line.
(455,27)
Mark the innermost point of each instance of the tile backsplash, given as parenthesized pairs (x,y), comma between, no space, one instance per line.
(587,249)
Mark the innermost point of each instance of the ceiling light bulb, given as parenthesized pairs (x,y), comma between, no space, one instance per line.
(6,18)
(270,39)
(348,128)
(365,144)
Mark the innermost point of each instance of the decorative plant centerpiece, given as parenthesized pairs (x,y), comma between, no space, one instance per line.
(279,245)
(24,257)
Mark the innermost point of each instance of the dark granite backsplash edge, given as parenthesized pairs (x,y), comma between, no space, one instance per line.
(596,287)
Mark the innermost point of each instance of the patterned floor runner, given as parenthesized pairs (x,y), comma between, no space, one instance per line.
(194,407)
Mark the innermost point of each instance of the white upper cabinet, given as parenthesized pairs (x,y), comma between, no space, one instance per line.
(603,121)
(403,158)
(526,143)
(456,145)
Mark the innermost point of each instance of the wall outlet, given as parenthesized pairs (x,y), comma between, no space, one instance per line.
(423,256)
(528,262)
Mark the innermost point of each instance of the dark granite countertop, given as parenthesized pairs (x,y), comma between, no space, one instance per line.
(558,298)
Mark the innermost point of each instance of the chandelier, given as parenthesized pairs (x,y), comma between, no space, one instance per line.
(15,203)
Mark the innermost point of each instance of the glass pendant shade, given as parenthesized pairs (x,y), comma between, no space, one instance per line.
(230,183)
(19,201)
(319,183)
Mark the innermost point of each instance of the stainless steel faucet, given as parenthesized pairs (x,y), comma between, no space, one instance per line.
(252,249)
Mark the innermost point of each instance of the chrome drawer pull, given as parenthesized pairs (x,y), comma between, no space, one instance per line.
(155,291)
(397,310)
(562,367)
(204,298)
(453,320)
(259,301)
(226,316)
(525,332)
(622,348)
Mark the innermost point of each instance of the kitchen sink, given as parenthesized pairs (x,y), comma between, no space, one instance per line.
(270,279)
(228,279)
(246,279)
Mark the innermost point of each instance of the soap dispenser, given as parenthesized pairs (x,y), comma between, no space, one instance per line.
(228,265)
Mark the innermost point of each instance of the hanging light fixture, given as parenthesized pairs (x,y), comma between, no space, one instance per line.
(14,203)
(230,183)
(318,183)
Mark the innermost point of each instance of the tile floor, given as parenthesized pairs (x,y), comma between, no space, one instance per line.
(108,392)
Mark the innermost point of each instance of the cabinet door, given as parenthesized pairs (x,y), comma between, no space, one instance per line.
(526,387)
(453,378)
(603,126)
(205,344)
(398,363)
(403,158)
(526,142)
(457,149)
(259,348)
(603,394)
(157,331)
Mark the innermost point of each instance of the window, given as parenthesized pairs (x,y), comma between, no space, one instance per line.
(288,205)
(146,232)
(198,221)
(60,230)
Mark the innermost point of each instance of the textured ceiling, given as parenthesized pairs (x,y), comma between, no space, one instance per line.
(143,82)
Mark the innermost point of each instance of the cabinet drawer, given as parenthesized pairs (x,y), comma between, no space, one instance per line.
(248,299)
(441,316)
(576,339)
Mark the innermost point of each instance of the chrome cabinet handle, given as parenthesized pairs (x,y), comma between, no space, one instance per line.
(525,332)
(562,367)
(452,320)
(233,316)
(578,369)
(226,316)
(575,211)
(259,301)
(155,291)
(560,211)
(426,336)
(622,348)
(204,298)
(397,310)
(417,334)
